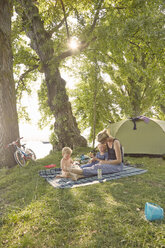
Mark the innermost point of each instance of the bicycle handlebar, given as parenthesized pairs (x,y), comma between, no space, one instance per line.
(14,142)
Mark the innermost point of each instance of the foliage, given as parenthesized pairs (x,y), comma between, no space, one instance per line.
(46,114)
(53,139)
(131,56)
(135,85)
(22,113)
(49,36)
(25,64)
(111,214)
(126,49)
(93,102)
(122,41)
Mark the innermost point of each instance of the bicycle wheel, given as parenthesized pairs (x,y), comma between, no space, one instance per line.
(19,158)
(31,154)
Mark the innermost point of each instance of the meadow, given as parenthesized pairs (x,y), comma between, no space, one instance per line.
(35,215)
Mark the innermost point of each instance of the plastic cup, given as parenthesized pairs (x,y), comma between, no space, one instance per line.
(153,211)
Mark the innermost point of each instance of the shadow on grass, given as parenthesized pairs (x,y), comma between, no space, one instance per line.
(101,215)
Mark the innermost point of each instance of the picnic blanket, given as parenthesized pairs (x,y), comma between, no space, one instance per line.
(50,175)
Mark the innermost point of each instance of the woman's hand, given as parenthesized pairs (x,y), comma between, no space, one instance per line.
(94,159)
(102,162)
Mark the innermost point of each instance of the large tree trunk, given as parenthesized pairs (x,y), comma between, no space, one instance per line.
(65,127)
(8,114)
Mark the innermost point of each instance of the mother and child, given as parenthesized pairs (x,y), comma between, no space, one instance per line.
(109,161)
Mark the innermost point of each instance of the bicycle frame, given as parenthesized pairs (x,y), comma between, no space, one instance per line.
(26,156)
(20,150)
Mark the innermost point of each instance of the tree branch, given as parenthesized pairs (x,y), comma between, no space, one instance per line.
(110,57)
(71,52)
(21,79)
(34,28)
(66,24)
(95,18)
(84,44)
(56,27)
(162,107)
(55,4)
(134,44)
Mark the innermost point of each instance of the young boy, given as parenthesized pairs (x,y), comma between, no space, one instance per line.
(66,164)
(101,155)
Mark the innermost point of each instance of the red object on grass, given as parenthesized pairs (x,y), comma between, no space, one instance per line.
(50,165)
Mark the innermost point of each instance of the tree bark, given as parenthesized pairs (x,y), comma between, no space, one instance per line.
(65,126)
(8,115)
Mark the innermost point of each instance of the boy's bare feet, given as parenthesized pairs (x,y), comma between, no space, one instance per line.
(58,176)
(75,177)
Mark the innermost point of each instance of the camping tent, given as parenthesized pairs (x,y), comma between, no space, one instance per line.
(141,136)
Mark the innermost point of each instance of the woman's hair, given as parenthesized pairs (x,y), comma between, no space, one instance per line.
(67,150)
(102,136)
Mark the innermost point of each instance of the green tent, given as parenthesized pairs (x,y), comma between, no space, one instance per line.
(140,137)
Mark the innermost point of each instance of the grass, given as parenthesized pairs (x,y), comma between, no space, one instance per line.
(34,214)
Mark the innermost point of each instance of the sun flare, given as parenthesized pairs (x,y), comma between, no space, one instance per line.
(73,44)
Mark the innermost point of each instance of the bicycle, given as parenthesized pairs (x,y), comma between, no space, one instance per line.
(22,154)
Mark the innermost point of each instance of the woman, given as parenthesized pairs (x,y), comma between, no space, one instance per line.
(115,158)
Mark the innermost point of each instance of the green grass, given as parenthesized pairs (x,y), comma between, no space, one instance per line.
(111,214)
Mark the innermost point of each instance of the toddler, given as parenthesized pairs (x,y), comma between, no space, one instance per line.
(66,164)
(101,155)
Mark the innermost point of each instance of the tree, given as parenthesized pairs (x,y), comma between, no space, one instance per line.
(93,103)
(126,33)
(135,84)
(127,50)
(8,114)
(132,56)
(51,53)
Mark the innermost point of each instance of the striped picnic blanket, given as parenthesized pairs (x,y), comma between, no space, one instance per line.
(50,175)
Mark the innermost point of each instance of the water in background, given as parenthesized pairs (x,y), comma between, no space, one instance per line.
(33,137)
(41,149)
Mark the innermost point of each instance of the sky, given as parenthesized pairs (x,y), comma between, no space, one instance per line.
(31,131)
